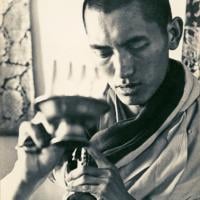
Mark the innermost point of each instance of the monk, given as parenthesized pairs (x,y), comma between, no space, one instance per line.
(148,144)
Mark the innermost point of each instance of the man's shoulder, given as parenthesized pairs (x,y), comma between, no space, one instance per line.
(189,183)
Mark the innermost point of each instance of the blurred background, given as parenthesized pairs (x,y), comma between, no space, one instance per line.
(62,39)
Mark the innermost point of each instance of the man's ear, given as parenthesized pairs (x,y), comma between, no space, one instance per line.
(175,30)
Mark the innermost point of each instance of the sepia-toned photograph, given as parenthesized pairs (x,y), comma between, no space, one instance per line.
(100,100)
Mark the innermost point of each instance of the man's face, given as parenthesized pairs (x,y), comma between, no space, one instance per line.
(130,51)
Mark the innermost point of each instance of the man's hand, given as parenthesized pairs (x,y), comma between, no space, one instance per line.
(35,161)
(103,182)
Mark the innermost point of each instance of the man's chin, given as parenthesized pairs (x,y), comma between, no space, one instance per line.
(129,100)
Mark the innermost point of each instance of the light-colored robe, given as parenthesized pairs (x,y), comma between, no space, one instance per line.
(167,165)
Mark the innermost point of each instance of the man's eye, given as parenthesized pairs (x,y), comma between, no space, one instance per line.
(103,53)
(137,46)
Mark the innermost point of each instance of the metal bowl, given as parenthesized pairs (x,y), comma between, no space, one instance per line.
(71,107)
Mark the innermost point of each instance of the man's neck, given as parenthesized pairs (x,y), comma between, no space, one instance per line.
(134,109)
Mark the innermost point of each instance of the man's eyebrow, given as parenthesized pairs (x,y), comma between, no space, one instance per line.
(124,43)
(133,40)
(100,47)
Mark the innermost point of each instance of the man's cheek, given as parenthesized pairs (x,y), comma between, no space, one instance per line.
(107,71)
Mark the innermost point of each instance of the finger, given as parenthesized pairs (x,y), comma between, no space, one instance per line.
(87,171)
(23,133)
(92,189)
(37,134)
(39,118)
(101,161)
(87,180)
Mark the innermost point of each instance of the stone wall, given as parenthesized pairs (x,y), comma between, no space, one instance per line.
(191,43)
(16,82)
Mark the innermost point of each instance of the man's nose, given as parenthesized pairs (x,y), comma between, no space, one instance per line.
(124,64)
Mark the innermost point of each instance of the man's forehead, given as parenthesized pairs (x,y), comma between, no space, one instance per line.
(112,7)
(125,13)
(116,24)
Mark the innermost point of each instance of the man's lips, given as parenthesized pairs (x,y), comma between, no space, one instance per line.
(129,85)
(127,89)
